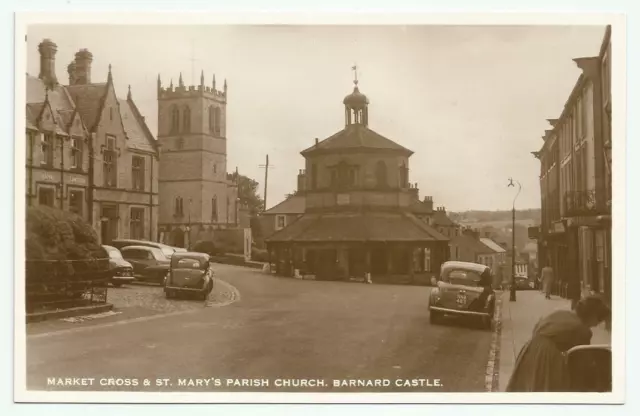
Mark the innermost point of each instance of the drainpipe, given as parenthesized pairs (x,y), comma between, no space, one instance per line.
(61,172)
(31,142)
(151,200)
(90,198)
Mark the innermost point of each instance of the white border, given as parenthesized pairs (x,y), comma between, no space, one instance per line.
(172,18)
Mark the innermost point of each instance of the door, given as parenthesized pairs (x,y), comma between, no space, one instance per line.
(109,224)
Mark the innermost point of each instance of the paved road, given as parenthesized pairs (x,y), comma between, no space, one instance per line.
(278,329)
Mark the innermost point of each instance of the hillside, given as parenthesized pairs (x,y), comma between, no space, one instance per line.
(527,218)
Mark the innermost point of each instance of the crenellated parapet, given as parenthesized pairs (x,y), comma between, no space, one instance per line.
(189,91)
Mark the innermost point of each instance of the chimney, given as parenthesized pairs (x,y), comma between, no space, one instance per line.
(301,181)
(414,191)
(83,67)
(316,141)
(48,51)
(428,200)
(71,70)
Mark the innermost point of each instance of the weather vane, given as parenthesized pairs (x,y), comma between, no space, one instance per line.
(354,68)
(510,182)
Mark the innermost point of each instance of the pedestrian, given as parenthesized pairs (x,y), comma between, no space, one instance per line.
(541,364)
(547,280)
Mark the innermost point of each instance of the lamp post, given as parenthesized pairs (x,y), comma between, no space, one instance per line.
(512,292)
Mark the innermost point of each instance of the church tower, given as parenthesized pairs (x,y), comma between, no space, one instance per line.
(197,195)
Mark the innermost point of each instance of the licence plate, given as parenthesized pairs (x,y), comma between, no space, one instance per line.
(461,299)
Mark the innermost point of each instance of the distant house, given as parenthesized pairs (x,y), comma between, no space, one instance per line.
(496,257)
(278,217)
(467,247)
(444,224)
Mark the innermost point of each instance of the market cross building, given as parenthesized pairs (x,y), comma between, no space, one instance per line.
(360,213)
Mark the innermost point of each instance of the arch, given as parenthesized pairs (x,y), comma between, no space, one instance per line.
(186,120)
(212,120)
(381,174)
(218,120)
(175,119)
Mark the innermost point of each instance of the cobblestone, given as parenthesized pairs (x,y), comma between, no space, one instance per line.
(153,297)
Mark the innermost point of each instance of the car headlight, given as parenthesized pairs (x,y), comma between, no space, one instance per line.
(435,295)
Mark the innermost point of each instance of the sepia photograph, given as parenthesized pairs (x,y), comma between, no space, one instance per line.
(377,211)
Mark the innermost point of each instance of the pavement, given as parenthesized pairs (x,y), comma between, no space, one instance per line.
(273,333)
(518,320)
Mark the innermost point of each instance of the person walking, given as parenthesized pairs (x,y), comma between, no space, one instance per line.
(541,364)
(547,280)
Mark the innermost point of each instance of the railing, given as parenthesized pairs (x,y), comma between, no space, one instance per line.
(580,203)
(63,284)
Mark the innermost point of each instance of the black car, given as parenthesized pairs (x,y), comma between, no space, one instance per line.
(120,270)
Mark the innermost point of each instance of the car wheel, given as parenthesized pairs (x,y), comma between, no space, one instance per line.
(434,317)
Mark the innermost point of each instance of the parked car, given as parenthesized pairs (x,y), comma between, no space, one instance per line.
(121,243)
(524,283)
(149,263)
(189,273)
(458,292)
(590,368)
(120,270)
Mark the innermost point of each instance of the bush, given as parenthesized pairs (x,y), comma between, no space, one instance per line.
(207,247)
(259,255)
(53,234)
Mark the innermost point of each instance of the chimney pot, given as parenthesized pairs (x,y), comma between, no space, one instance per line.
(48,51)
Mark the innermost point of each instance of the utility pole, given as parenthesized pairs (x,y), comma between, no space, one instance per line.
(266,167)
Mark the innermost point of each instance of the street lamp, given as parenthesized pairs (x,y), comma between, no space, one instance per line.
(512,294)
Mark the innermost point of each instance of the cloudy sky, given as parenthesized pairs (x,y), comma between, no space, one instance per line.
(471,101)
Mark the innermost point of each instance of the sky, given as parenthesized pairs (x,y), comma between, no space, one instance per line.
(470,101)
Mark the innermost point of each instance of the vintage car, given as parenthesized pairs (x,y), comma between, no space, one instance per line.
(461,291)
(149,263)
(122,243)
(120,270)
(590,368)
(190,273)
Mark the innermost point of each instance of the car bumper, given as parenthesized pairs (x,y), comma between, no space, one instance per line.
(123,279)
(184,289)
(460,312)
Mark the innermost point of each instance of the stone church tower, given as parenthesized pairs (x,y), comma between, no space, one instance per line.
(197,195)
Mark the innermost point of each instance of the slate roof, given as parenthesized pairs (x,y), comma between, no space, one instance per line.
(471,243)
(134,130)
(357,227)
(294,205)
(492,245)
(441,218)
(356,136)
(88,98)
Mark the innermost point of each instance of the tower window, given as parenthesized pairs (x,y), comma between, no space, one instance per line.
(214,209)
(179,208)
(186,120)
(212,119)
(217,117)
(175,119)
(314,176)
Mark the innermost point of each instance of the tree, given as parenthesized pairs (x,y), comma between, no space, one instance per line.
(249,195)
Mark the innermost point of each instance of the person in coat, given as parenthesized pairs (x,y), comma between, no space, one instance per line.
(541,364)
(547,281)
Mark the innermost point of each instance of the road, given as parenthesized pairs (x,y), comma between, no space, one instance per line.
(277,329)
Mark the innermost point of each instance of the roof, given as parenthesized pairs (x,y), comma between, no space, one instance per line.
(134,127)
(419,207)
(441,218)
(292,205)
(476,267)
(88,98)
(492,245)
(38,95)
(471,243)
(357,226)
(356,136)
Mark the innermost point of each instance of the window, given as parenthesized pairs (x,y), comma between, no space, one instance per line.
(76,153)
(427,259)
(46,196)
(179,207)
(314,176)
(47,150)
(136,223)
(217,120)
(175,119)
(404,176)
(381,174)
(214,209)
(110,163)
(281,222)
(137,171)
(76,202)
(186,120)
(212,120)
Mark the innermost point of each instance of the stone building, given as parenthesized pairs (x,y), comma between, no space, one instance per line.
(575,183)
(198,195)
(359,210)
(89,151)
